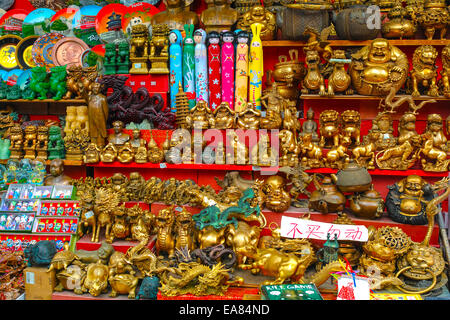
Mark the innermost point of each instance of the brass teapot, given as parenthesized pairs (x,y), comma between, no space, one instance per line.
(326,198)
(367,205)
(352,178)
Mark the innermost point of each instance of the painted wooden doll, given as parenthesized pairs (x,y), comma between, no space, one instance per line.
(241,81)
(189,65)
(214,70)
(227,58)
(201,66)
(176,66)
(256,68)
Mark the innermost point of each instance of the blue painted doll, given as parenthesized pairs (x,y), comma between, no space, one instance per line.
(189,65)
(176,66)
(201,66)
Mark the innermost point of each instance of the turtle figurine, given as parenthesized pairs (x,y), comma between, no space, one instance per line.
(40,254)
(63,259)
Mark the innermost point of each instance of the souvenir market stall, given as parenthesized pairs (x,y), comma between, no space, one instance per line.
(240,150)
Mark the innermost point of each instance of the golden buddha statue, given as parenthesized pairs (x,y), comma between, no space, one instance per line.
(219,16)
(109,153)
(200,117)
(176,16)
(249,118)
(125,153)
(92,153)
(377,68)
(258,14)
(224,116)
(273,103)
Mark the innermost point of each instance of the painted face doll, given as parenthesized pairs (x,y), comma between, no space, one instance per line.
(214,70)
(240,99)
(176,66)
(201,66)
(256,68)
(227,55)
(189,65)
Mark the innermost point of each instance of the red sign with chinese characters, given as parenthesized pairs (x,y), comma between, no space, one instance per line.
(302,228)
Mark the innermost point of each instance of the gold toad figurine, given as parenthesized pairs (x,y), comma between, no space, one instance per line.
(139,49)
(219,16)
(249,118)
(176,15)
(200,117)
(224,116)
(377,68)
(258,14)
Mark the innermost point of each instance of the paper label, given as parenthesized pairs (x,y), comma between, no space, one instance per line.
(302,228)
(30,277)
(89,214)
(353,288)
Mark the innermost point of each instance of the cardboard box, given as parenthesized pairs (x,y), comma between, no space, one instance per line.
(39,283)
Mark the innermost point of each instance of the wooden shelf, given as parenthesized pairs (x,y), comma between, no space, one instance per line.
(361,97)
(44,101)
(350,43)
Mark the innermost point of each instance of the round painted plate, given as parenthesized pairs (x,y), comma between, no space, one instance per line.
(23,52)
(13,76)
(37,22)
(11,21)
(68,51)
(8,46)
(3,75)
(24,79)
(108,23)
(6,4)
(84,24)
(138,13)
(42,49)
(62,21)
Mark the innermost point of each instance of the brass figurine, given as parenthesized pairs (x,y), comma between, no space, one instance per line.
(424,73)
(314,80)
(326,198)
(339,80)
(224,116)
(433,17)
(159,49)
(219,16)
(109,153)
(258,14)
(310,126)
(445,72)
(139,49)
(118,138)
(200,117)
(277,199)
(98,115)
(350,126)
(91,153)
(434,150)
(329,128)
(249,118)
(176,15)
(377,68)
(29,143)
(42,143)
(126,153)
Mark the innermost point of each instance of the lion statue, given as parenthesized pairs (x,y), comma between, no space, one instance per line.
(424,73)
(351,124)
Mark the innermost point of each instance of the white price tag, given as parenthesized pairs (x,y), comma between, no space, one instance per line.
(163,165)
(143,83)
(89,214)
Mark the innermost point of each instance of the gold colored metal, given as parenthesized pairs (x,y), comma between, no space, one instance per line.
(139,49)
(159,49)
(57,176)
(98,115)
(109,153)
(243,239)
(314,80)
(258,14)
(91,153)
(434,149)
(184,230)
(424,73)
(350,125)
(433,17)
(399,24)
(96,281)
(176,15)
(29,144)
(445,72)
(249,118)
(42,143)
(118,138)
(289,149)
(368,205)
(224,116)
(273,102)
(277,198)
(339,80)
(378,68)
(219,16)
(126,153)
(326,198)
(423,291)
(329,128)
(16,138)
(310,153)
(121,276)
(164,225)
(200,117)
(338,157)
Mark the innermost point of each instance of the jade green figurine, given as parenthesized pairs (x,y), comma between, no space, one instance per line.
(55,143)
(27,93)
(3,89)
(4,149)
(110,58)
(123,62)
(58,82)
(13,93)
(39,83)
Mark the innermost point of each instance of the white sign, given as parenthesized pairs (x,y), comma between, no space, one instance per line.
(309,229)
(353,288)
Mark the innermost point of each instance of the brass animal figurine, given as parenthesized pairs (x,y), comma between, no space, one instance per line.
(184,230)
(329,128)
(424,73)
(242,239)
(313,80)
(339,80)
(96,281)
(338,156)
(445,72)
(350,125)
(401,157)
(164,225)
(311,154)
